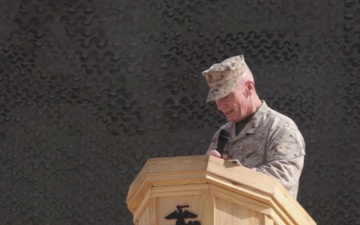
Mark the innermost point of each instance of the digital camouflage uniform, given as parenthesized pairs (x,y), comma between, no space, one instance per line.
(269,143)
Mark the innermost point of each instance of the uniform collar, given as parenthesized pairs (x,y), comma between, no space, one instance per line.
(252,125)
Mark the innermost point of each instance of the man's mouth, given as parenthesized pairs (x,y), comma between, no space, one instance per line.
(228,112)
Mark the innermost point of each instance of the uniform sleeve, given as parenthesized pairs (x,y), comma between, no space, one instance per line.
(285,158)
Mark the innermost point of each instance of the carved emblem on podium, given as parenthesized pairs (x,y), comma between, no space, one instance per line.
(180,215)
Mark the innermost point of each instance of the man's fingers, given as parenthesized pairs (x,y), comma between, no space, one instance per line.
(214,153)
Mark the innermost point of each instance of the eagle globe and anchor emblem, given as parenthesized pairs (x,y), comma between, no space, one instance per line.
(180,215)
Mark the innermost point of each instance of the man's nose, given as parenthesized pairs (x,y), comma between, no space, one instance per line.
(220,104)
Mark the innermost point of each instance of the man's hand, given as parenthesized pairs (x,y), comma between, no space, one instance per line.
(225,156)
(215,153)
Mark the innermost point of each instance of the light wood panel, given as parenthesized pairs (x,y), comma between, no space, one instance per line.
(215,190)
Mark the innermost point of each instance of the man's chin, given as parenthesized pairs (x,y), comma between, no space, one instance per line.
(230,119)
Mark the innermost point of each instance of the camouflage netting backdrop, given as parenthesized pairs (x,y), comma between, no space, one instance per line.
(91,89)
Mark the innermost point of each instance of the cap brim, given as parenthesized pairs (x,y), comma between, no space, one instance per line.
(218,93)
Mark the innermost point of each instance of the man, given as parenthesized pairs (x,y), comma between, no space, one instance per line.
(259,137)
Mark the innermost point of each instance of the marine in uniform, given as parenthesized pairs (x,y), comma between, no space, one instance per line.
(260,138)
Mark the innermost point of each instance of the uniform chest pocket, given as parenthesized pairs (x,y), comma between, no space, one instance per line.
(249,156)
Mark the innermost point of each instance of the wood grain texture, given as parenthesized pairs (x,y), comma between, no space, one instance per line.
(217,191)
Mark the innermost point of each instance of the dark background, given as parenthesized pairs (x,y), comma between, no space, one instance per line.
(91,89)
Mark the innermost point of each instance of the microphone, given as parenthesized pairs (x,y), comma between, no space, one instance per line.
(222,141)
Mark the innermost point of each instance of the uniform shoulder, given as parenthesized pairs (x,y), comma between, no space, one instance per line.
(274,116)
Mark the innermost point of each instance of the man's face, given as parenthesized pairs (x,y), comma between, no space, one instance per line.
(235,105)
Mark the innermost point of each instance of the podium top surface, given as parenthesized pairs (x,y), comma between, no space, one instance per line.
(197,169)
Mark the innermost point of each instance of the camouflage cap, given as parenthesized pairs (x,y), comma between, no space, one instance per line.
(221,77)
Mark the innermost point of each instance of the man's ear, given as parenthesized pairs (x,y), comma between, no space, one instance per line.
(250,87)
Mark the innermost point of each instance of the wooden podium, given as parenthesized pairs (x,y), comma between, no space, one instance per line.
(205,190)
